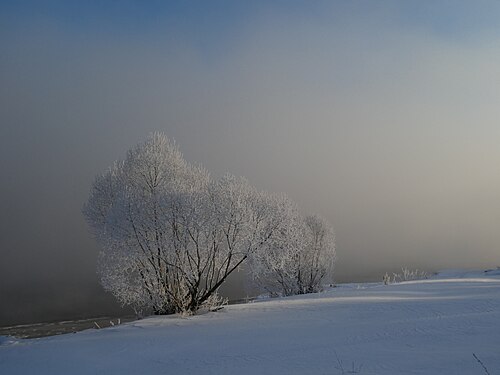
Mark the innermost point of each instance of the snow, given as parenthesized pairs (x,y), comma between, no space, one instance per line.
(418,327)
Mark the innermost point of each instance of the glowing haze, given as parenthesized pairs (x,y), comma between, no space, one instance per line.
(382,117)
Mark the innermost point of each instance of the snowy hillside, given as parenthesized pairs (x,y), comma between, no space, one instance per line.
(420,327)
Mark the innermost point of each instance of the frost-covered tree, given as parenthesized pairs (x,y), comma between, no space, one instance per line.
(131,210)
(318,259)
(169,234)
(298,260)
(274,266)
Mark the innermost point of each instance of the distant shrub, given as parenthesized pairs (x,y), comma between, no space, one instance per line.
(406,274)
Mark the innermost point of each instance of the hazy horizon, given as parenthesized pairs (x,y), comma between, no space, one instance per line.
(382,117)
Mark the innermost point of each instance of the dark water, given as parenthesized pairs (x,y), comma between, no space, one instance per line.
(57,328)
(35,330)
(68,321)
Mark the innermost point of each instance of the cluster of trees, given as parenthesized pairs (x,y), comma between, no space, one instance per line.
(170,235)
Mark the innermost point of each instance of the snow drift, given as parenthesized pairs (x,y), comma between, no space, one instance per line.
(420,327)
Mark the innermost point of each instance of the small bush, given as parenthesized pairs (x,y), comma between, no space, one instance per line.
(406,274)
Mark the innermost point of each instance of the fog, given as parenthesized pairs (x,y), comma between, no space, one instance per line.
(382,119)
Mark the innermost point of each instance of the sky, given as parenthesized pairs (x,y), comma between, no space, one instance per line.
(381,116)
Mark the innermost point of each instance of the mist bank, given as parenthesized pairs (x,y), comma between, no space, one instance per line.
(384,119)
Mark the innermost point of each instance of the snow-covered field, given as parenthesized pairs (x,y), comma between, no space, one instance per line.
(420,327)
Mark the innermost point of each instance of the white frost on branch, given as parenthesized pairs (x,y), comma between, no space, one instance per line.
(300,258)
(170,235)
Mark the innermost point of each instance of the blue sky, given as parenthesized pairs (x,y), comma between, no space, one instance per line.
(215,21)
(214,28)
